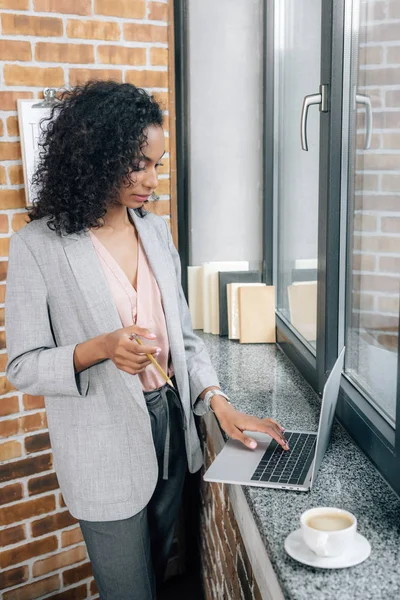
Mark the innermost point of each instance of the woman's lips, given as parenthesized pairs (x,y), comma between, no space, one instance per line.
(140,198)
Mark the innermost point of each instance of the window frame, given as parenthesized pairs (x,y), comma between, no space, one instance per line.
(372,433)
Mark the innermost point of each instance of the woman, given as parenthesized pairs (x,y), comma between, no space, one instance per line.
(90,271)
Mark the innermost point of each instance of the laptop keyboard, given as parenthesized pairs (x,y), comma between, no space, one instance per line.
(287,466)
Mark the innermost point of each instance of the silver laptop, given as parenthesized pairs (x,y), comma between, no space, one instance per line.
(271,466)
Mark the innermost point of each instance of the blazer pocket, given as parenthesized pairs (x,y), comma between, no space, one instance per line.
(94,462)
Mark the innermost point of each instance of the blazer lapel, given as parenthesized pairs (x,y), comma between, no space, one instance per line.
(164,273)
(94,287)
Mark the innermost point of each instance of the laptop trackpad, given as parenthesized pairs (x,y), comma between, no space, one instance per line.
(236,462)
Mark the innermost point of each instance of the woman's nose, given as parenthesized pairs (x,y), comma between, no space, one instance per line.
(151,179)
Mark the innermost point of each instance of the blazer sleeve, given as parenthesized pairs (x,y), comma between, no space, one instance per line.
(200,370)
(35,364)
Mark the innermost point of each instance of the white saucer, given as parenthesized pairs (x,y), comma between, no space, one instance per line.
(297,549)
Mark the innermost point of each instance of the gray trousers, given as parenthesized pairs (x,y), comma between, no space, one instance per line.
(129,556)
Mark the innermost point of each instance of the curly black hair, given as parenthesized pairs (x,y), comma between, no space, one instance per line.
(89,149)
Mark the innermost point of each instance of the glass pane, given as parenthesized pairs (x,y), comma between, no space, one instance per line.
(374,205)
(297,74)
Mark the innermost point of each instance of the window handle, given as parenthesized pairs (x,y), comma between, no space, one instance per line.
(322,100)
(366,101)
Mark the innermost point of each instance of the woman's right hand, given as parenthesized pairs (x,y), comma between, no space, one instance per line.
(126,353)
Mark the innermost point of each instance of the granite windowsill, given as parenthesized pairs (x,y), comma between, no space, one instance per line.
(262,381)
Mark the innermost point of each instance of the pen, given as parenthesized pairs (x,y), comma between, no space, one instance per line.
(153,360)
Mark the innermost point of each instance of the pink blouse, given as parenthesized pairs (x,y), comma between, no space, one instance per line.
(142,307)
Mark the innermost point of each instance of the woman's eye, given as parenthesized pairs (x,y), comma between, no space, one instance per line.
(159,165)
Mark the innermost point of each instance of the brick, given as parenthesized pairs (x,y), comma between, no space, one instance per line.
(11,493)
(389,304)
(76,593)
(121,55)
(16,175)
(370,55)
(71,537)
(14,577)
(9,151)
(4,246)
(366,182)
(3,177)
(71,576)
(62,501)
(1,127)
(380,162)
(15,4)
(25,467)
(79,76)
(391,141)
(378,322)
(26,510)
(31,402)
(9,450)
(147,79)
(93,588)
(376,283)
(22,553)
(393,58)
(19,221)
(93,30)
(378,202)
(390,224)
(27,25)
(12,50)
(37,443)
(2,317)
(163,187)
(389,264)
(12,198)
(33,422)
(5,385)
(9,427)
(39,485)
(362,301)
(9,406)
(364,262)
(8,100)
(64,53)
(134,9)
(158,11)
(73,7)
(363,222)
(2,298)
(160,207)
(33,76)
(2,339)
(138,32)
(34,590)
(377,243)
(390,183)
(388,341)
(12,126)
(58,561)
(159,56)
(52,523)
(12,535)
(163,100)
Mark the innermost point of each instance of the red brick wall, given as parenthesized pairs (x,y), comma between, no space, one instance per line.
(59,43)
(226,570)
(376,242)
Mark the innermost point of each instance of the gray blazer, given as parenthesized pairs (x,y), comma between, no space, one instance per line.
(57,296)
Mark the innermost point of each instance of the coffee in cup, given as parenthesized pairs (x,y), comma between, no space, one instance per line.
(328,531)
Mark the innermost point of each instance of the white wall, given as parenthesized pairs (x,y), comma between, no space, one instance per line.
(225,81)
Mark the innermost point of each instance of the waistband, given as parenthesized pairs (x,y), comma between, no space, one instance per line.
(161,394)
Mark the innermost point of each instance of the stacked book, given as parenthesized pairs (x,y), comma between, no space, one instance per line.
(228,299)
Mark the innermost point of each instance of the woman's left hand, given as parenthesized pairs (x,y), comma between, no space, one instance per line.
(234,423)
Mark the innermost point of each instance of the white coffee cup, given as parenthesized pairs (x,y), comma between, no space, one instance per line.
(328,531)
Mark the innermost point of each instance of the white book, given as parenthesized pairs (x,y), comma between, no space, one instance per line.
(211,293)
(233,307)
(195,295)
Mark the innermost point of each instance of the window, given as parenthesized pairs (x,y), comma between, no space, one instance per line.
(337,205)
